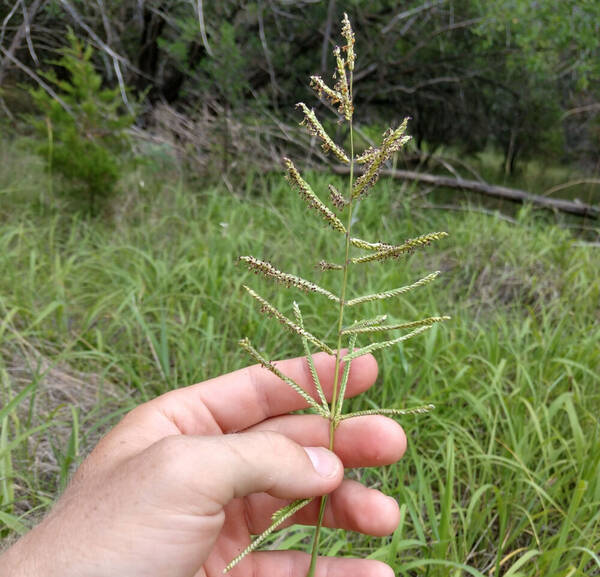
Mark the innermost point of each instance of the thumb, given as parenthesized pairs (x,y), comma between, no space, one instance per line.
(237,465)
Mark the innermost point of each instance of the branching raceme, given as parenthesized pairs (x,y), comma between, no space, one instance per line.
(373,159)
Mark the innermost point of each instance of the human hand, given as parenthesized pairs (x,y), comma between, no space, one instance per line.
(179,485)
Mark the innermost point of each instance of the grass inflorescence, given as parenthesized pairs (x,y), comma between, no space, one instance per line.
(374,158)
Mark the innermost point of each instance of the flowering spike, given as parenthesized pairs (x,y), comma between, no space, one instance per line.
(384,345)
(309,359)
(393,141)
(392,412)
(315,128)
(380,327)
(348,34)
(324,92)
(309,196)
(337,198)
(393,292)
(337,411)
(289,280)
(360,243)
(341,86)
(269,309)
(247,346)
(277,519)
(365,323)
(324,265)
(396,251)
(367,155)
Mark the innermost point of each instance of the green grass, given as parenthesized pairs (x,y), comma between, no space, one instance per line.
(97,316)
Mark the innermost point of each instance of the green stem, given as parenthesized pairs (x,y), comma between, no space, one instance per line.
(334,417)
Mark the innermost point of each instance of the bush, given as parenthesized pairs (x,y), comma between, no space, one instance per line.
(85,131)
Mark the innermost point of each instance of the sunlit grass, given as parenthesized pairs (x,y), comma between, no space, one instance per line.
(502,479)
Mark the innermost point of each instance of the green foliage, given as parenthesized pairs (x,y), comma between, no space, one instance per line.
(470,74)
(84,128)
(497,472)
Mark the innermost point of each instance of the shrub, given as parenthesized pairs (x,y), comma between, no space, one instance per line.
(84,126)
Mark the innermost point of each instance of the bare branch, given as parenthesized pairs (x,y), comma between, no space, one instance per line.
(267,52)
(327,35)
(39,80)
(117,58)
(200,12)
(23,30)
(26,17)
(512,194)
(411,12)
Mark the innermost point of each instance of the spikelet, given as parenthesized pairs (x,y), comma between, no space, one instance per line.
(277,519)
(269,309)
(396,251)
(337,411)
(309,196)
(324,265)
(393,141)
(384,344)
(341,86)
(337,198)
(360,243)
(289,280)
(381,327)
(367,155)
(394,412)
(348,34)
(247,346)
(326,93)
(315,128)
(309,358)
(393,292)
(366,323)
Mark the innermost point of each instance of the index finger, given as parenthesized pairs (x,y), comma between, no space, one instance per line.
(248,396)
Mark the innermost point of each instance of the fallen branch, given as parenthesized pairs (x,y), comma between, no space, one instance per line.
(503,192)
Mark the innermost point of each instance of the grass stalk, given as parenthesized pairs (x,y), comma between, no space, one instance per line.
(335,410)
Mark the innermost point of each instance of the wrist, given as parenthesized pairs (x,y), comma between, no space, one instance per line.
(25,558)
(18,561)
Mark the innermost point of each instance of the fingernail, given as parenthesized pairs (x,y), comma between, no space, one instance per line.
(324,461)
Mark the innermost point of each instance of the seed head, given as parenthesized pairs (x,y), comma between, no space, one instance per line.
(315,128)
(307,193)
(348,34)
(337,198)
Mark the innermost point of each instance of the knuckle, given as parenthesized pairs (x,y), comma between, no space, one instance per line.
(169,455)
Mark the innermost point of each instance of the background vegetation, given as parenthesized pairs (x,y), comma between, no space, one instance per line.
(185,108)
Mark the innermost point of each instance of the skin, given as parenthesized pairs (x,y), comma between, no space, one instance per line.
(178,487)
